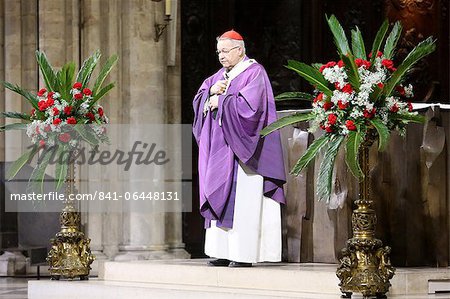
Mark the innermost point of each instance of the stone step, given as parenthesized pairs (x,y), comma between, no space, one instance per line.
(175,278)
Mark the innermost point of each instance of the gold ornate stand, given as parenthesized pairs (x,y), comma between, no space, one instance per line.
(365,265)
(70,255)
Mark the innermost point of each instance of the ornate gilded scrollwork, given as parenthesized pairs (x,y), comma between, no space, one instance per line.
(364,266)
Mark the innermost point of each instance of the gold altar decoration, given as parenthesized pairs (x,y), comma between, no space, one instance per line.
(365,265)
(70,255)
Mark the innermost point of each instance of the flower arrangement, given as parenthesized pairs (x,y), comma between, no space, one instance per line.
(359,97)
(64,113)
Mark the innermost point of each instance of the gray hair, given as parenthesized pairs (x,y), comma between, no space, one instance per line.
(235,42)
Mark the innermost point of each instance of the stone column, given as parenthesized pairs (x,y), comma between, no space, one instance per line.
(143,94)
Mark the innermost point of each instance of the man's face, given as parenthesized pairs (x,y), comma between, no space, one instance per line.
(229,53)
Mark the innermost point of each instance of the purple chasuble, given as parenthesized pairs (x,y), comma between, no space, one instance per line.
(246,108)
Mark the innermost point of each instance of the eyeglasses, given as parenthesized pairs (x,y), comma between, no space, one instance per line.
(225,51)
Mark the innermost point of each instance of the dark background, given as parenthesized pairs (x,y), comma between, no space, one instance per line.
(277,30)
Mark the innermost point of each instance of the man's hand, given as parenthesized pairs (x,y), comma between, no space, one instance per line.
(213,103)
(218,87)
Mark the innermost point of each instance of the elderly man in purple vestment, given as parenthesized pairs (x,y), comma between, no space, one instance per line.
(241,175)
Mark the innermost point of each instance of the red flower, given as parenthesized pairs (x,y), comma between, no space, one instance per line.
(49,102)
(56,121)
(50,95)
(350,125)
(380,85)
(400,90)
(47,128)
(100,111)
(87,91)
(319,98)
(361,62)
(55,111)
(41,92)
(369,114)
(41,143)
(379,54)
(327,105)
(329,129)
(343,106)
(77,85)
(410,106)
(389,64)
(78,96)
(42,105)
(33,111)
(91,116)
(340,63)
(71,120)
(67,110)
(64,137)
(332,118)
(394,108)
(347,88)
(329,64)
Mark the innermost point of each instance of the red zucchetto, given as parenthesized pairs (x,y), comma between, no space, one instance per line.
(231,35)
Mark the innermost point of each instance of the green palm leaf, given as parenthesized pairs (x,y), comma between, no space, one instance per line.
(87,68)
(354,140)
(16,115)
(310,74)
(50,79)
(378,40)
(383,133)
(352,71)
(294,95)
(317,65)
(358,44)
(61,166)
(421,50)
(287,120)
(325,177)
(86,134)
(392,39)
(106,69)
(415,118)
(66,76)
(17,165)
(339,35)
(37,177)
(15,126)
(26,94)
(310,154)
(101,93)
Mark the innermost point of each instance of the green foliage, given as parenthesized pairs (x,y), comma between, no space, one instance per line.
(409,118)
(101,93)
(285,121)
(339,36)
(325,178)
(14,126)
(47,72)
(359,50)
(379,40)
(62,165)
(352,71)
(310,154)
(26,94)
(17,165)
(392,40)
(16,115)
(383,133)
(423,49)
(106,69)
(310,74)
(294,95)
(85,73)
(65,77)
(354,140)
(37,176)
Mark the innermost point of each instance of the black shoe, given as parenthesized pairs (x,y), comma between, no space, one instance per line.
(219,263)
(239,265)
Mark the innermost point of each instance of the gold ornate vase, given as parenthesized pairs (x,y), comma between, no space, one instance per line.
(70,255)
(365,265)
